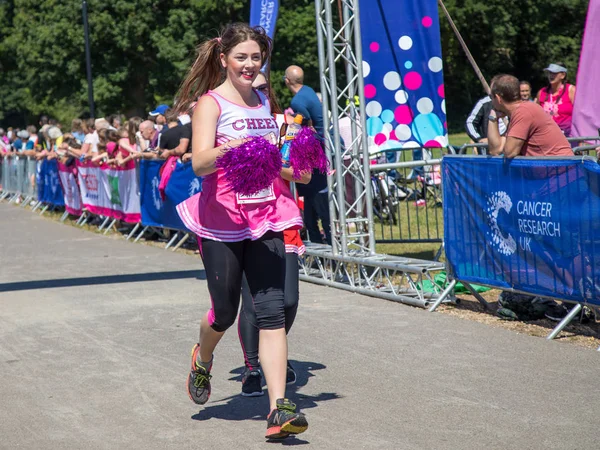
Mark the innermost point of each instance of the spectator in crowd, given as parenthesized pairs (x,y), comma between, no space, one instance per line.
(557,97)
(89,148)
(4,142)
(525,89)
(149,134)
(315,193)
(530,132)
(33,137)
(130,142)
(43,122)
(477,122)
(77,130)
(175,140)
(159,116)
(114,121)
(20,142)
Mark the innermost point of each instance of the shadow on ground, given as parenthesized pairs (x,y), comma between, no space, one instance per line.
(102,279)
(255,408)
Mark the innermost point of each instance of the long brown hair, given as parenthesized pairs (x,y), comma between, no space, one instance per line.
(133,125)
(207,73)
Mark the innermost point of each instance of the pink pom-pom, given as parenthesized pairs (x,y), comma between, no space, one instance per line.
(306,153)
(250,167)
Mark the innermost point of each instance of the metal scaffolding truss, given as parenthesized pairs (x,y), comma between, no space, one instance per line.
(351,263)
(339,47)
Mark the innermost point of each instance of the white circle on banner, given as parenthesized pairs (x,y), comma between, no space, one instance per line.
(387,129)
(425,105)
(411,144)
(405,42)
(391,81)
(373,109)
(443,140)
(401,97)
(444,106)
(403,132)
(366,69)
(435,64)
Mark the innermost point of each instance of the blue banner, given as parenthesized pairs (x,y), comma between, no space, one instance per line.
(49,189)
(526,224)
(264,13)
(403,76)
(182,185)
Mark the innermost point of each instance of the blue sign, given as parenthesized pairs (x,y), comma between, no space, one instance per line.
(403,76)
(49,187)
(264,13)
(526,224)
(182,185)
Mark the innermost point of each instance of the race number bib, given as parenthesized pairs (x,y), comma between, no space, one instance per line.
(264,195)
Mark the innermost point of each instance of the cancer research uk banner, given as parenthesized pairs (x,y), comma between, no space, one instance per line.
(110,191)
(526,224)
(182,185)
(264,13)
(48,183)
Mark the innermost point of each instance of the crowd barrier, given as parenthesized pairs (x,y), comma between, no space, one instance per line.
(129,194)
(18,179)
(527,225)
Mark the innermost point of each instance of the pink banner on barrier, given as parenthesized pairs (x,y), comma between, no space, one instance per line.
(72,196)
(586,111)
(110,191)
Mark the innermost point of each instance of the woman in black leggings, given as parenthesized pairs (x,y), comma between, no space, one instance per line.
(248,328)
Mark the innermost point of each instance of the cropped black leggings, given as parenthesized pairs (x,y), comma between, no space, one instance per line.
(264,265)
(247,322)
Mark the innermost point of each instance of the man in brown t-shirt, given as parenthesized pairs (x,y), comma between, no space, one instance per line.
(531,131)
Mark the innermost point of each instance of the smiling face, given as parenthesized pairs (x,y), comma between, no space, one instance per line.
(243,63)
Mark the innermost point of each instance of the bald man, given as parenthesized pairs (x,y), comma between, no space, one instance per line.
(316,202)
(305,100)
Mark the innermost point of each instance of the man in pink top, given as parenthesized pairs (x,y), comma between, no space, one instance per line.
(531,131)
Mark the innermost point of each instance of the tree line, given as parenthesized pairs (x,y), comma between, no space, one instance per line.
(141,50)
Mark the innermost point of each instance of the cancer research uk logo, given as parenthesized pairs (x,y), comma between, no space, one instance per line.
(194,187)
(497,201)
(534,220)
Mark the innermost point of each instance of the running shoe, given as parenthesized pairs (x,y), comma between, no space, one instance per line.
(198,381)
(284,420)
(252,383)
(290,377)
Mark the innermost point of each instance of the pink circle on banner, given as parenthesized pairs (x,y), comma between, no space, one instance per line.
(432,144)
(441,91)
(393,135)
(427,21)
(412,80)
(445,125)
(403,115)
(380,139)
(370,91)
(374,47)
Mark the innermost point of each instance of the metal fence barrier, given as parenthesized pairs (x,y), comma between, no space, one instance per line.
(18,179)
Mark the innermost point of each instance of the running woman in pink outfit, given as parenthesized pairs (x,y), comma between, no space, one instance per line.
(238,234)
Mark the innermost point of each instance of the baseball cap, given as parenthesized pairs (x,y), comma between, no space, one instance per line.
(160,110)
(23,134)
(555,68)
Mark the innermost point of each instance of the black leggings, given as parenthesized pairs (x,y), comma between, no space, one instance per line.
(247,322)
(264,265)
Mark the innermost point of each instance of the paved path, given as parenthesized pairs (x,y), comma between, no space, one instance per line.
(95,335)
